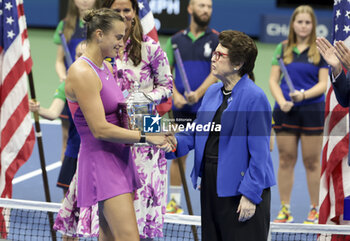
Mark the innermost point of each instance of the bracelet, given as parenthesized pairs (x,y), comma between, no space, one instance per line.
(142,137)
(303,95)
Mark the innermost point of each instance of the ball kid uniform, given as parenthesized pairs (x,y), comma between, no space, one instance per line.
(306,116)
(69,163)
(196,55)
(78,35)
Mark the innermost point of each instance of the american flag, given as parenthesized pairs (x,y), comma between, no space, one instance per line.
(147,20)
(16,129)
(335,173)
(148,26)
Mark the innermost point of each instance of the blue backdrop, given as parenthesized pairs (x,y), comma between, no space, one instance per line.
(41,13)
(242,15)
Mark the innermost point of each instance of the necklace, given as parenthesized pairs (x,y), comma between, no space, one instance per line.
(104,67)
(225,92)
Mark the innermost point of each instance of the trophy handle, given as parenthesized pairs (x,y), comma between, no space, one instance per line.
(123,116)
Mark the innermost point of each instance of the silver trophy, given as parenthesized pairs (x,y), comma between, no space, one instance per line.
(139,105)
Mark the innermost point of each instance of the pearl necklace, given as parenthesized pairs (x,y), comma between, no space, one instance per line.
(226,92)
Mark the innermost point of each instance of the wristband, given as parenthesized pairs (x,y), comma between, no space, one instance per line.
(142,137)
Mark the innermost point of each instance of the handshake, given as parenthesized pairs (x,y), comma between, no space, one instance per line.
(164,141)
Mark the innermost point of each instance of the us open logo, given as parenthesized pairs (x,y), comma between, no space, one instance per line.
(151,123)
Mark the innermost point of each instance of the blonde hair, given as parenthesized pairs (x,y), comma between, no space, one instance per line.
(313,53)
(71,18)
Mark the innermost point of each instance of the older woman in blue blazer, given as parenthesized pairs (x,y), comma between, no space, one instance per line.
(231,141)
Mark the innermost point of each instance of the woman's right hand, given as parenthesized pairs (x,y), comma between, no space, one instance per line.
(165,142)
(171,144)
(34,106)
(328,52)
(156,139)
(286,106)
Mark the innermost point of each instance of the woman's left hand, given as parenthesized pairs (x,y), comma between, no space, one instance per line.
(246,209)
(297,96)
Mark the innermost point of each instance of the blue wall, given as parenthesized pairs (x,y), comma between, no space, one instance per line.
(41,13)
(242,15)
(246,15)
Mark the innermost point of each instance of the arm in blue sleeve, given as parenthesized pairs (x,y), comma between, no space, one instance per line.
(259,127)
(185,143)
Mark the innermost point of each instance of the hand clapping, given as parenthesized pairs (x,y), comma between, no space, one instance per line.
(334,55)
(343,54)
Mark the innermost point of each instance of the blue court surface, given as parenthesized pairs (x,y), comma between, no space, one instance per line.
(28,183)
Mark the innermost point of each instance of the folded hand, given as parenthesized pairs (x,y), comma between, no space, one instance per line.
(297,96)
(192,97)
(246,209)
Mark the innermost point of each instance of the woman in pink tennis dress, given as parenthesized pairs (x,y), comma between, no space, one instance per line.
(107,175)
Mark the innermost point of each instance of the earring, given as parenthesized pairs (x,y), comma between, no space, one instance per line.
(133,22)
(234,68)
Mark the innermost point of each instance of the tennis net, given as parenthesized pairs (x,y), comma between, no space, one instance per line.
(30,220)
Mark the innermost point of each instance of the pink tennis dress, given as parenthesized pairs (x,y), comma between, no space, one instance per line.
(105,169)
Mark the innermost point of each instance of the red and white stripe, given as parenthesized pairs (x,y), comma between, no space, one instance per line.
(16,129)
(24,33)
(335,173)
(148,26)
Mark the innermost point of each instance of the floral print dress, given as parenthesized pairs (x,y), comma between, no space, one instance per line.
(155,80)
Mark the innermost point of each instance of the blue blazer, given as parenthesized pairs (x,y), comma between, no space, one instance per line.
(341,86)
(244,162)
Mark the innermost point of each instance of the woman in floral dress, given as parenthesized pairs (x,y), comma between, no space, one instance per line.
(143,60)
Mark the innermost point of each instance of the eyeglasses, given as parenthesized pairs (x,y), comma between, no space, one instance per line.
(216,55)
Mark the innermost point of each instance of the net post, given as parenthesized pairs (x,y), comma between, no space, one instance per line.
(187,196)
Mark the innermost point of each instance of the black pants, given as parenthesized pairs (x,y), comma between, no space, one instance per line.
(219,214)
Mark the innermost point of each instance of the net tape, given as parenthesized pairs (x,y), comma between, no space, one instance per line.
(24,224)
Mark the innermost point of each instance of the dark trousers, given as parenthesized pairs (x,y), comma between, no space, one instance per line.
(219,214)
